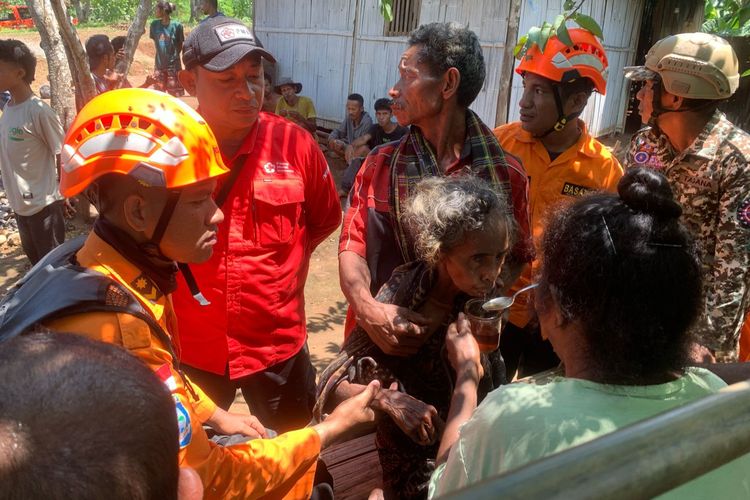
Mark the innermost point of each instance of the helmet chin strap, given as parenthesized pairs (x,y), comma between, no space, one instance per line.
(657,109)
(152,246)
(562,118)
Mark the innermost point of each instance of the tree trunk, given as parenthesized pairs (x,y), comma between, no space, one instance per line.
(136,30)
(82,10)
(195,10)
(63,98)
(77,57)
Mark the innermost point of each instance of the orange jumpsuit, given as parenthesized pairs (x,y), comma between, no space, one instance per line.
(584,167)
(282,467)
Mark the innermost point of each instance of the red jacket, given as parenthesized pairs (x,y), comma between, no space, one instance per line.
(282,205)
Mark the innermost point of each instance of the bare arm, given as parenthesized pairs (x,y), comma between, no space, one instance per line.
(349,417)
(463,353)
(395,330)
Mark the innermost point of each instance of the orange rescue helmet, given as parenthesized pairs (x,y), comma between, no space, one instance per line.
(562,63)
(150,135)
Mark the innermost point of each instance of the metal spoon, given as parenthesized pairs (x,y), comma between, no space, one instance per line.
(503,303)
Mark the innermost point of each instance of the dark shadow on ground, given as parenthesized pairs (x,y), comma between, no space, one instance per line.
(325,321)
(321,363)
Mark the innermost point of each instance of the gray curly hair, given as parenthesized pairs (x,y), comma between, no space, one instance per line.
(441,210)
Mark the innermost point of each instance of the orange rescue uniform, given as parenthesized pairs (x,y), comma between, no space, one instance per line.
(282,467)
(582,168)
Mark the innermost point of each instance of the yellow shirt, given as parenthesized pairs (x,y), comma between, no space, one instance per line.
(304,106)
(584,167)
(282,467)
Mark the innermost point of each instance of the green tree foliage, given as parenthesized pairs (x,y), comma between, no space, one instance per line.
(123,11)
(728,18)
(540,35)
(386,10)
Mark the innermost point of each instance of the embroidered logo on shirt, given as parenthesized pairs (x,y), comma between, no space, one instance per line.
(743,213)
(15,134)
(641,157)
(570,189)
(183,422)
(277,168)
(146,288)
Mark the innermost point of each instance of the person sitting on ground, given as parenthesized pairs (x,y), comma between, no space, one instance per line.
(462,230)
(356,124)
(295,107)
(384,131)
(150,163)
(617,302)
(270,97)
(68,406)
(101,56)
(211,9)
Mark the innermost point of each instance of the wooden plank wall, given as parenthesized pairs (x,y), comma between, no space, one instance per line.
(620,22)
(312,40)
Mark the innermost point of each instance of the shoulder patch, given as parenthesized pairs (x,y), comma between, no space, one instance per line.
(183,422)
(743,213)
(146,288)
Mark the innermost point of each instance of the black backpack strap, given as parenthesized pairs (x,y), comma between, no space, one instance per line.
(57,286)
(135,310)
(221,197)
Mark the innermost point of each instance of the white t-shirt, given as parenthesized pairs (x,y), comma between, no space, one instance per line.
(30,136)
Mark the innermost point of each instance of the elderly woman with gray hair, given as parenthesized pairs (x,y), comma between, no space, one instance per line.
(462,230)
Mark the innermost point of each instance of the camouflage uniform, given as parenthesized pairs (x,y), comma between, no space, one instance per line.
(711,180)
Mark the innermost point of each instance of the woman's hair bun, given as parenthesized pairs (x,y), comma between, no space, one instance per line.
(646,190)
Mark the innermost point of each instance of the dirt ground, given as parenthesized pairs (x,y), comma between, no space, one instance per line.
(325,304)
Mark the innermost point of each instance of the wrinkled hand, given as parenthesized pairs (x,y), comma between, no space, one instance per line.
(416,419)
(350,417)
(349,153)
(227,423)
(462,347)
(69,209)
(397,331)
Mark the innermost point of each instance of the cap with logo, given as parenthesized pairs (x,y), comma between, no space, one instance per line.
(219,43)
(692,65)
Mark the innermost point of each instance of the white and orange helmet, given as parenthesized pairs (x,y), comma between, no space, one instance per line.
(149,135)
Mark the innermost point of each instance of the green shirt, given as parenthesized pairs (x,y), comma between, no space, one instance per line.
(168,40)
(520,423)
(304,106)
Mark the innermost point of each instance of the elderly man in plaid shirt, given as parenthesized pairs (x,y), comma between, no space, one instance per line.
(441,73)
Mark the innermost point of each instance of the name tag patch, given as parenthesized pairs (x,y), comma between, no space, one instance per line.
(570,189)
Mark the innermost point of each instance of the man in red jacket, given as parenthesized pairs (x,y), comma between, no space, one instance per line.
(280,203)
